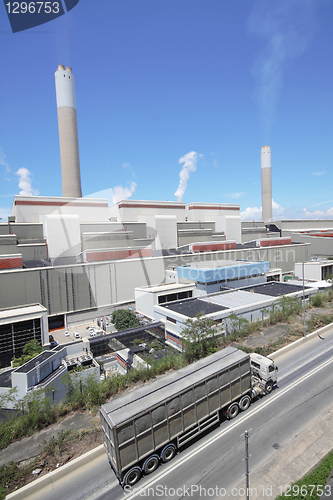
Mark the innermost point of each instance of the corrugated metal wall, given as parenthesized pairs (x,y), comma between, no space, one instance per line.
(89,286)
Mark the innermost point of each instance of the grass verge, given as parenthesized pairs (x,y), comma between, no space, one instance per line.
(313,485)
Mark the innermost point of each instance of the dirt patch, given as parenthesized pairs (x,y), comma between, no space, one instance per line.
(267,335)
(57,452)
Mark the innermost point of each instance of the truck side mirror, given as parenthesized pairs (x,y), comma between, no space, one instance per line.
(277,368)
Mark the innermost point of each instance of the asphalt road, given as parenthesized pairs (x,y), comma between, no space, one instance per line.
(215,461)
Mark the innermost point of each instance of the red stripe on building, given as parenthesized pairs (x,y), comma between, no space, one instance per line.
(59,203)
(206,247)
(139,205)
(207,207)
(11,262)
(173,339)
(270,242)
(117,254)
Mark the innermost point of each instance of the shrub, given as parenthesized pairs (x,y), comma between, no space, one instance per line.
(318,300)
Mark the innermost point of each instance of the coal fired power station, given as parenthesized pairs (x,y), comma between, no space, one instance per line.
(68,134)
(266,183)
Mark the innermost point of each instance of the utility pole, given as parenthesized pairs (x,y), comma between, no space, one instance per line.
(247,456)
(304,332)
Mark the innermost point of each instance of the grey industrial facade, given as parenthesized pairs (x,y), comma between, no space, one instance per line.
(84,287)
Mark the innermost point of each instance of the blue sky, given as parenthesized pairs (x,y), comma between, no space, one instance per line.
(157,80)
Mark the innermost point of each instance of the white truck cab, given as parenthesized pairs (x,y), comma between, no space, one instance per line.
(264,370)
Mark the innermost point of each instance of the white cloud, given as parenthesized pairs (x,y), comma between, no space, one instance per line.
(278,211)
(255,213)
(323,172)
(123,193)
(189,165)
(251,213)
(317,214)
(25,182)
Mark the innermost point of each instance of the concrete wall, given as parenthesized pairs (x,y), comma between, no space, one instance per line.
(188,236)
(8,244)
(85,286)
(304,224)
(91,241)
(320,247)
(33,251)
(130,210)
(62,233)
(33,208)
(26,231)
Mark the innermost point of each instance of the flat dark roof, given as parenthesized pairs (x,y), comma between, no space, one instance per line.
(192,307)
(32,363)
(274,288)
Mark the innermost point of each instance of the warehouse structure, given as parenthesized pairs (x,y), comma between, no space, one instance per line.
(250,303)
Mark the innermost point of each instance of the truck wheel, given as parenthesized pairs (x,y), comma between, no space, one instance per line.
(244,403)
(150,464)
(233,411)
(168,453)
(132,476)
(269,387)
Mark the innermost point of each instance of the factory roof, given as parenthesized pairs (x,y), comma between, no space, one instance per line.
(222,270)
(274,288)
(256,295)
(14,313)
(192,307)
(32,363)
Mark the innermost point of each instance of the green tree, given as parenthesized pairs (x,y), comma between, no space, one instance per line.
(123,319)
(30,350)
(199,337)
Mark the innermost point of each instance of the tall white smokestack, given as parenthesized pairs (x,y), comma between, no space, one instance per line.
(68,136)
(266,183)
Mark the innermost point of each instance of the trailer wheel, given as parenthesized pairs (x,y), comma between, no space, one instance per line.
(233,411)
(269,387)
(132,476)
(151,464)
(168,453)
(244,403)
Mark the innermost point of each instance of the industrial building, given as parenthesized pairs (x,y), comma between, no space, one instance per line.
(19,325)
(250,303)
(47,370)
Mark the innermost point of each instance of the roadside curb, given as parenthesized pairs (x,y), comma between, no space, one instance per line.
(56,475)
(298,342)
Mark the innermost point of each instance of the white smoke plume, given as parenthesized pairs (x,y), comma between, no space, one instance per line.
(189,165)
(3,162)
(25,182)
(286,28)
(123,193)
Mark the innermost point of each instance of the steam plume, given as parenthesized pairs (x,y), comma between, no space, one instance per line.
(286,27)
(25,182)
(189,165)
